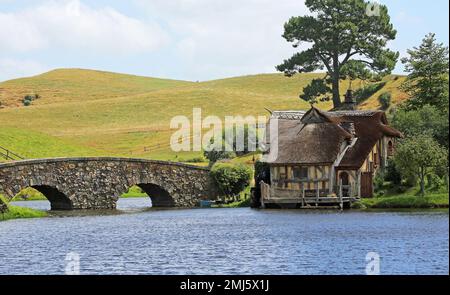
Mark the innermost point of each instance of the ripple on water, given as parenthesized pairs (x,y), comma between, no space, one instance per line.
(136,240)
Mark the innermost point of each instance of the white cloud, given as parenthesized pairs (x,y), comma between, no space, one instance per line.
(14,68)
(75,26)
(225,37)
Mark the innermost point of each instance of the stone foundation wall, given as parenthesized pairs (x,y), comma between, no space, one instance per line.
(97,183)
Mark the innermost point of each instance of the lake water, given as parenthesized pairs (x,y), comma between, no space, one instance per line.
(134,240)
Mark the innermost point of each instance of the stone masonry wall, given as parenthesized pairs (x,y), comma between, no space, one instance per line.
(97,183)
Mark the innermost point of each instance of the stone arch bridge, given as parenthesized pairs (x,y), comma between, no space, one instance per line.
(97,183)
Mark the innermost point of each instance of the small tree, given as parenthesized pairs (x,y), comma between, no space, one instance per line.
(231,179)
(419,156)
(427,82)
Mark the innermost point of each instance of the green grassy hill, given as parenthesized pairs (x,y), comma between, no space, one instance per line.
(84,112)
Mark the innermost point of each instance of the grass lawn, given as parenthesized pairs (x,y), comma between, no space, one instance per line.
(408,201)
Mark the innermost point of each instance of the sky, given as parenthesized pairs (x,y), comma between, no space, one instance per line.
(192,40)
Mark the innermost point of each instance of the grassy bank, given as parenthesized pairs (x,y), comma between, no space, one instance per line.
(15,212)
(406,201)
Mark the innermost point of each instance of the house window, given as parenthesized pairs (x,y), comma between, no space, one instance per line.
(301,172)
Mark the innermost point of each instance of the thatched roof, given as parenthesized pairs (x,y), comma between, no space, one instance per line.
(317,137)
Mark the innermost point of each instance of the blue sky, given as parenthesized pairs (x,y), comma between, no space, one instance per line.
(181,39)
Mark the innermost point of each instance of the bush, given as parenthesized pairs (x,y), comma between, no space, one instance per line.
(27,99)
(231,179)
(385,100)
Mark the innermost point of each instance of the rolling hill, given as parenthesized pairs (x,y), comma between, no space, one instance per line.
(86,112)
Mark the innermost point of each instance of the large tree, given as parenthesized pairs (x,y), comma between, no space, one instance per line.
(339,32)
(427,82)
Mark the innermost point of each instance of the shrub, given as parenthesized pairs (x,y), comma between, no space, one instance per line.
(26,102)
(231,179)
(385,100)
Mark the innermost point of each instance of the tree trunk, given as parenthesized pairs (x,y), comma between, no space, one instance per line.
(335,83)
(422,182)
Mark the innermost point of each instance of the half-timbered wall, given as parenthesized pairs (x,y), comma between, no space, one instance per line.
(295,176)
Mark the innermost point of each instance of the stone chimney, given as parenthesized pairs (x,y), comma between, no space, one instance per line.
(349,127)
(349,102)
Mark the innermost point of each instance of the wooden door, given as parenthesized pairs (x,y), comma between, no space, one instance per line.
(366,185)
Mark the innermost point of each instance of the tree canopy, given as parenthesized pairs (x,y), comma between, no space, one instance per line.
(418,156)
(338,33)
(427,82)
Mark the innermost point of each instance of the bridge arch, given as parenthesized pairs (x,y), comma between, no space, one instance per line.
(97,183)
(160,197)
(58,200)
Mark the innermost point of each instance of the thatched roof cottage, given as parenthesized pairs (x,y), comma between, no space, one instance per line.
(326,157)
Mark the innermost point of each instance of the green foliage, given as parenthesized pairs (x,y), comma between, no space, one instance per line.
(428,119)
(317,90)
(378,181)
(28,99)
(392,174)
(419,156)
(385,100)
(15,212)
(363,93)
(428,68)
(134,192)
(355,69)
(231,179)
(340,32)
(407,201)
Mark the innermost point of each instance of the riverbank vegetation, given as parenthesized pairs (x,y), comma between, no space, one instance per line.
(231,179)
(15,212)
(418,175)
(431,201)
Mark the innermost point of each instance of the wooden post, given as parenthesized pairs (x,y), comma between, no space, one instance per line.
(303,194)
(341,204)
(317,193)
